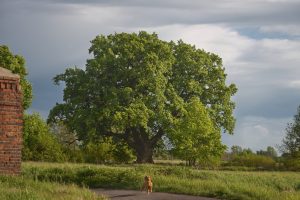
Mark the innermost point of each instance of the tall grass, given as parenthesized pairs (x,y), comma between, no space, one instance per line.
(175,179)
(21,188)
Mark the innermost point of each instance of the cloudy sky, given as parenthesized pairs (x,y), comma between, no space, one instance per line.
(259,41)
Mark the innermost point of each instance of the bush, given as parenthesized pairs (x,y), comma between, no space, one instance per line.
(106,151)
(252,160)
(292,161)
(39,143)
(98,152)
(75,155)
(122,153)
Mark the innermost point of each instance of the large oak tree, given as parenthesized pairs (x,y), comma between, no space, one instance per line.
(137,88)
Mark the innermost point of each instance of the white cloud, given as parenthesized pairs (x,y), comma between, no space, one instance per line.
(218,38)
(257,133)
(295,84)
(245,59)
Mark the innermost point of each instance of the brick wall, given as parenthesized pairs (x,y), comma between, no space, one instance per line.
(11,123)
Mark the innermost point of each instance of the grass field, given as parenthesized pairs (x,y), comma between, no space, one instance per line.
(175,179)
(21,188)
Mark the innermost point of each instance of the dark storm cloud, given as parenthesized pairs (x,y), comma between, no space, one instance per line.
(150,13)
(46,94)
(268,103)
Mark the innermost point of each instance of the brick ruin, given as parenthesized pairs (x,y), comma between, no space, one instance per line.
(11,122)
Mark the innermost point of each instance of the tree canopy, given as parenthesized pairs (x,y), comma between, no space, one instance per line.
(138,88)
(194,136)
(16,64)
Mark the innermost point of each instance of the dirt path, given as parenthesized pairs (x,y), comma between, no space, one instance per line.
(137,195)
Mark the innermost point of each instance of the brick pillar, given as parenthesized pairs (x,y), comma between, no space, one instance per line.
(11,123)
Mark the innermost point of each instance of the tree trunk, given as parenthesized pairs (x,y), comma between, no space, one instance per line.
(139,140)
(144,154)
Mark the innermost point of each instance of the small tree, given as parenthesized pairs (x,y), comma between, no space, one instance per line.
(16,64)
(291,143)
(39,143)
(69,141)
(195,137)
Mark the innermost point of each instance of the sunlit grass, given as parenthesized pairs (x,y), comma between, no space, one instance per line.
(20,188)
(175,179)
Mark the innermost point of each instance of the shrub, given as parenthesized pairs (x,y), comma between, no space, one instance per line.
(252,160)
(39,143)
(292,161)
(107,151)
(98,152)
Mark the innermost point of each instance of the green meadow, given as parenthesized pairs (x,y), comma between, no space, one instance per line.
(23,188)
(174,179)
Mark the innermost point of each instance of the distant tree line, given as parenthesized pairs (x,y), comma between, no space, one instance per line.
(262,159)
(55,143)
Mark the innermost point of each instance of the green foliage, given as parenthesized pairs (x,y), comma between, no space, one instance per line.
(39,143)
(122,153)
(174,179)
(137,87)
(74,155)
(162,151)
(253,160)
(195,137)
(16,64)
(196,73)
(20,188)
(291,142)
(263,160)
(69,141)
(106,151)
(292,161)
(96,150)
(99,151)
(236,150)
(271,152)
(64,135)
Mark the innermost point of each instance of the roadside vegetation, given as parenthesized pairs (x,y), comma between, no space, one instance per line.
(174,179)
(24,188)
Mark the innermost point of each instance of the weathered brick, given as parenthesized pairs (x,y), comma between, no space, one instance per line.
(11,123)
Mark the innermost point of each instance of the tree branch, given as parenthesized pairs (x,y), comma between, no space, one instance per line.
(156,137)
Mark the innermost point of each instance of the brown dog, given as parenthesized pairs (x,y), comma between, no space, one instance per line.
(147,184)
